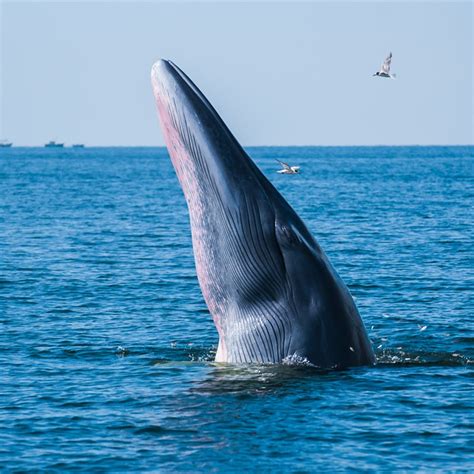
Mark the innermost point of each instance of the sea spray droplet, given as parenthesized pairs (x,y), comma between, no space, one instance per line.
(121,351)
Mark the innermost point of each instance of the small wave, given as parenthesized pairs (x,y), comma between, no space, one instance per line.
(160,430)
(399,357)
(60,311)
(184,352)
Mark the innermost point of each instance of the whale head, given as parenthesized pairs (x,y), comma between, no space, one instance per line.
(267,283)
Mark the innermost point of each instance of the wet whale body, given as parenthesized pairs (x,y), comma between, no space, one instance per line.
(271,290)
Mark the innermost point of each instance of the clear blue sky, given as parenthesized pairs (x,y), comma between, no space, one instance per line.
(283,73)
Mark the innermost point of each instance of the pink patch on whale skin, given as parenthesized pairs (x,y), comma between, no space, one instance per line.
(185,168)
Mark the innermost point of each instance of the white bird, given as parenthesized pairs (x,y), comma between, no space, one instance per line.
(385,68)
(287,169)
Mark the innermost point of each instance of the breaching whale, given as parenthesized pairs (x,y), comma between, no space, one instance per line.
(270,288)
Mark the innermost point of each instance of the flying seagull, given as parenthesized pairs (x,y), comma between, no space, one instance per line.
(287,169)
(385,68)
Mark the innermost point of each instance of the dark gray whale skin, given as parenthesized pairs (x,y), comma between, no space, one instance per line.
(271,290)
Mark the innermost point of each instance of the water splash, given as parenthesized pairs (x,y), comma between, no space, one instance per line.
(296,360)
(399,357)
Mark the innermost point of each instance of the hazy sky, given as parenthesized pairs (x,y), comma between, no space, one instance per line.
(278,73)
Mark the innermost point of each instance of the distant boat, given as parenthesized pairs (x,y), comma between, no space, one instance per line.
(78,145)
(53,144)
(5,144)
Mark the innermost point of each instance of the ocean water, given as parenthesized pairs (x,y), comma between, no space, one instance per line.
(106,344)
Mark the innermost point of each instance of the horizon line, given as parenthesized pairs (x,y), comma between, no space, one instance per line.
(257,146)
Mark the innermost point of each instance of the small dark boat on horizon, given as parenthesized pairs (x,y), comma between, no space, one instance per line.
(78,145)
(53,144)
(5,144)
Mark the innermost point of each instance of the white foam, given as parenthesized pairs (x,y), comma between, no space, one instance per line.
(296,359)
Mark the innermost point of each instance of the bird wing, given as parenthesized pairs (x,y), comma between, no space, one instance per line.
(285,165)
(386,64)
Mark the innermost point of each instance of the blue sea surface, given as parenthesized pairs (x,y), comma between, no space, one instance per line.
(106,344)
